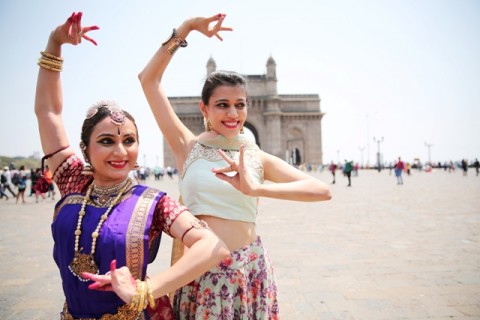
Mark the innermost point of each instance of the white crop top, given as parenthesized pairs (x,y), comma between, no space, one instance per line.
(205,194)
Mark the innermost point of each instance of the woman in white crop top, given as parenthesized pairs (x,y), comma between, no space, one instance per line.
(222,175)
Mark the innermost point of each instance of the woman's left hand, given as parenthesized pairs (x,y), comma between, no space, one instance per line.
(119,280)
(241,180)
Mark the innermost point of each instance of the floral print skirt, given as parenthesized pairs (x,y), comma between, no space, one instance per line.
(242,286)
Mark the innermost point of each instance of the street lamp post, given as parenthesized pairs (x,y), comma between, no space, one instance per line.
(378,141)
(429,145)
(361,154)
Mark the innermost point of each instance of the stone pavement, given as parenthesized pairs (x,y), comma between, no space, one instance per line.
(377,250)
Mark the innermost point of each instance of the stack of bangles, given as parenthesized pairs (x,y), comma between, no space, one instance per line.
(50,62)
(143,297)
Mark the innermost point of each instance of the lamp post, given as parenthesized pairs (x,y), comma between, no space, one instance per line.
(378,141)
(361,154)
(368,140)
(429,145)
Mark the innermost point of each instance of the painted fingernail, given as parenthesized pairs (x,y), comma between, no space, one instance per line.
(93,286)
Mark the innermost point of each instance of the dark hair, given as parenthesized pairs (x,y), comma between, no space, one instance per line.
(222,78)
(103,110)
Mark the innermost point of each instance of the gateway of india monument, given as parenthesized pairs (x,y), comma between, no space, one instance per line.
(286,125)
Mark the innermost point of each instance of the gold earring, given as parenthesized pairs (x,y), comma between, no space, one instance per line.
(207,124)
(241,130)
(87,169)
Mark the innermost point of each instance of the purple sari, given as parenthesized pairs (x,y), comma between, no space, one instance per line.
(124,236)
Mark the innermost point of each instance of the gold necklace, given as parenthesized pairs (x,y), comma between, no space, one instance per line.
(103,196)
(83,262)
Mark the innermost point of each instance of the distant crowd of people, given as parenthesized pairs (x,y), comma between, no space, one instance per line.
(14,182)
(18,179)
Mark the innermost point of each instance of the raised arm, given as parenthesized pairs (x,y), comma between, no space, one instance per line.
(178,136)
(48,97)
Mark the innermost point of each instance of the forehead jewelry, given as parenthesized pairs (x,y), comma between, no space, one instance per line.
(117,116)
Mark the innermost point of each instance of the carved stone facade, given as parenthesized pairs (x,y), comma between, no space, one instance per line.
(287,126)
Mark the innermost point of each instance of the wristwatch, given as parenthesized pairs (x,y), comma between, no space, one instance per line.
(178,42)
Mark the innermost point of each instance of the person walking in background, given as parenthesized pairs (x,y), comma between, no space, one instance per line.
(2,188)
(51,184)
(105,229)
(464,165)
(7,185)
(36,175)
(347,170)
(221,175)
(399,166)
(476,165)
(22,184)
(333,169)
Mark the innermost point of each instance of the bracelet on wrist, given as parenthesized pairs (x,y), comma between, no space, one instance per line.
(143,297)
(176,43)
(50,62)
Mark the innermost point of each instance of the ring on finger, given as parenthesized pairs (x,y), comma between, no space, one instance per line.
(232,167)
(80,33)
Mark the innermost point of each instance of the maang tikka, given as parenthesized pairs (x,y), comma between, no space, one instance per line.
(117,116)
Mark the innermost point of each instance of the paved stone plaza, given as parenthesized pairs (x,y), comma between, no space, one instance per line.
(377,250)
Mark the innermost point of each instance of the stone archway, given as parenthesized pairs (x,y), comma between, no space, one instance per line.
(295,152)
(280,123)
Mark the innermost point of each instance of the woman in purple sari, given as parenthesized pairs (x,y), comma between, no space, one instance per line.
(106,229)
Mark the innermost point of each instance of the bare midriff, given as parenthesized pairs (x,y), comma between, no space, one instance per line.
(235,234)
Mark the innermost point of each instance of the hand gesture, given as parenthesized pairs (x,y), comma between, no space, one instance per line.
(118,280)
(241,180)
(202,25)
(72,31)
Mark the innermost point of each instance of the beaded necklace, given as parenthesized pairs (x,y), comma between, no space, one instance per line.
(83,262)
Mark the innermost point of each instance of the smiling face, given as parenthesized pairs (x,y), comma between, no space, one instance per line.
(226,110)
(112,154)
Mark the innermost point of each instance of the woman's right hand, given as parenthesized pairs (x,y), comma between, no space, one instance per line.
(72,31)
(118,280)
(202,25)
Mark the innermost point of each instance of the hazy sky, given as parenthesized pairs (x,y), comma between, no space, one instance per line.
(404,70)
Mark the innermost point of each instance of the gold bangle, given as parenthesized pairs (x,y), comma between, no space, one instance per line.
(48,67)
(52,63)
(141,305)
(51,56)
(151,300)
(141,299)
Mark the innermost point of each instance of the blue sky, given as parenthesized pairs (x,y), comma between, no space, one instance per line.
(407,71)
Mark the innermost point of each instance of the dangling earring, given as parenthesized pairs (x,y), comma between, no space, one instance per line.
(207,124)
(136,167)
(87,168)
(241,130)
